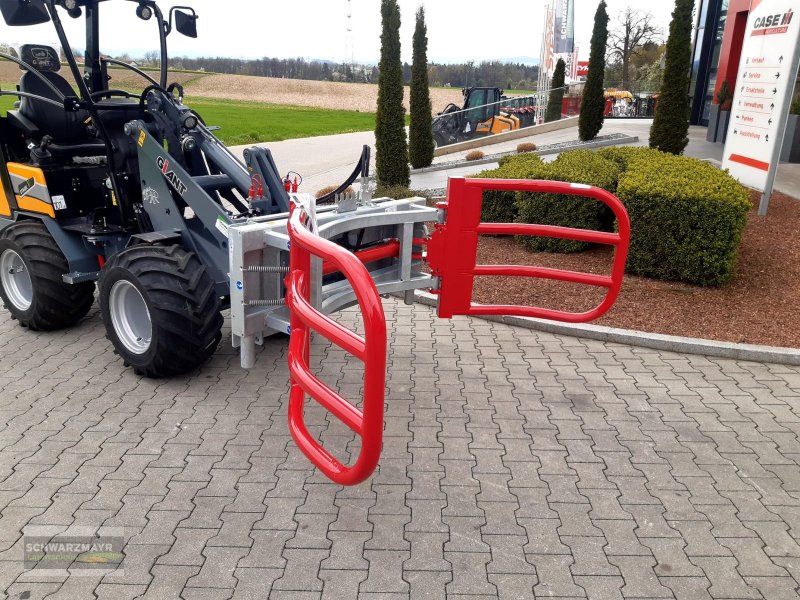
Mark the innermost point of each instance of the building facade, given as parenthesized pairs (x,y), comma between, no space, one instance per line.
(719,36)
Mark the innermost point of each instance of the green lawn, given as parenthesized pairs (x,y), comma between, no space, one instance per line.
(251,122)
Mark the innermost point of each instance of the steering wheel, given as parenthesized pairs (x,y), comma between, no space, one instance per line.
(112,94)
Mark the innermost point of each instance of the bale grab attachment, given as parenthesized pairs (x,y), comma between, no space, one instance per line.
(452,257)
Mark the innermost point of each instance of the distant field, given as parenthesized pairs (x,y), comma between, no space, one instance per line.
(359,97)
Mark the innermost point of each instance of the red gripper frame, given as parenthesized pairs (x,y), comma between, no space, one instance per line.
(453,249)
(371,350)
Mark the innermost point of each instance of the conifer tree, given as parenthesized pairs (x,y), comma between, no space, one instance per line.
(390,126)
(593,104)
(670,130)
(421,146)
(556,100)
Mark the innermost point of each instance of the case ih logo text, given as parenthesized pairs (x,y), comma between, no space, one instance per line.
(173,179)
(773,24)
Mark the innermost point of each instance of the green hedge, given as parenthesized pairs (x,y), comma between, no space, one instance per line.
(687,218)
(500,207)
(624,155)
(578,166)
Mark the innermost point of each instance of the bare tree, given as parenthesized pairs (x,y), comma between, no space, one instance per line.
(634,29)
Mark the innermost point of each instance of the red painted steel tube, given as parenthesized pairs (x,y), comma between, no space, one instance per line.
(390,249)
(543,273)
(453,248)
(551,231)
(369,422)
(344,338)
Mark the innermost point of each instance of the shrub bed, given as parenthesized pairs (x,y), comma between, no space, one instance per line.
(687,216)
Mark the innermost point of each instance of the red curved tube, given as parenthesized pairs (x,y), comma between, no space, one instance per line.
(453,248)
(371,350)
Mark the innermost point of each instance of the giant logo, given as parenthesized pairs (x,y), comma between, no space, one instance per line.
(171,176)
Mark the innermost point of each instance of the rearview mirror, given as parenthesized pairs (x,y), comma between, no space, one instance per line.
(24,12)
(186,24)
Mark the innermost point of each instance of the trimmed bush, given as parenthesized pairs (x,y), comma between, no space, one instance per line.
(474,155)
(578,166)
(687,219)
(500,207)
(332,188)
(624,155)
(526,147)
(396,192)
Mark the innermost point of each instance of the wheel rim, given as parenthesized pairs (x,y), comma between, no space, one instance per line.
(130,317)
(16,280)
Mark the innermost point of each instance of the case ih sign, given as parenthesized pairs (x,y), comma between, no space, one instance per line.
(763,93)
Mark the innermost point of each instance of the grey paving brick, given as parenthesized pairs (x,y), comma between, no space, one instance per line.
(555,576)
(428,585)
(688,588)
(385,572)
(255,583)
(725,581)
(513,461)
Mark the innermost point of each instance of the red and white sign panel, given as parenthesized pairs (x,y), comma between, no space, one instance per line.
(583,68)
(763,91)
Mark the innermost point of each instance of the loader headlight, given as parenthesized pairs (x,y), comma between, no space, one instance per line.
(144,12)
(73,8)
(190,122)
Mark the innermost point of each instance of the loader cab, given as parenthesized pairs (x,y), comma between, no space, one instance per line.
(478,116)
(70,118)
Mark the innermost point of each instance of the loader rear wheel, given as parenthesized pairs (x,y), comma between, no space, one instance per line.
(160,310)
(31,284)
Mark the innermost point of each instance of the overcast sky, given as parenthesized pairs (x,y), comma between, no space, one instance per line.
(458,31)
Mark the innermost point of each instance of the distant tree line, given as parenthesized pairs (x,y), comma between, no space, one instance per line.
(510,76)
(485,74)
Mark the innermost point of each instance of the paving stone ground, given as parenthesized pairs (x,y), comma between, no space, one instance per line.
(516,465)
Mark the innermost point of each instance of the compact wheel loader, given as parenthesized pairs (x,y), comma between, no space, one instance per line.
(131,198)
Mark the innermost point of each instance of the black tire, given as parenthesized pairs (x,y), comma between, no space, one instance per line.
(54,304)
(182,306)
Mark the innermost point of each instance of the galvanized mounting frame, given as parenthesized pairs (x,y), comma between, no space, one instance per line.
(259,261)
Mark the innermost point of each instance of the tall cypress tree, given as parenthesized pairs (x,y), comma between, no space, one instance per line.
(556,100)
(420,150)
(390,122)
(670,130)
(593,104)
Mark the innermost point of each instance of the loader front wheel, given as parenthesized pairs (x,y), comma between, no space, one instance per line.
(31,284)
(160,310)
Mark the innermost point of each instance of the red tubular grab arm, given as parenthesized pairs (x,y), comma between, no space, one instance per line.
(371,350)
(453,248)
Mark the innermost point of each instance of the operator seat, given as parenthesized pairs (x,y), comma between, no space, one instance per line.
(65,127)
